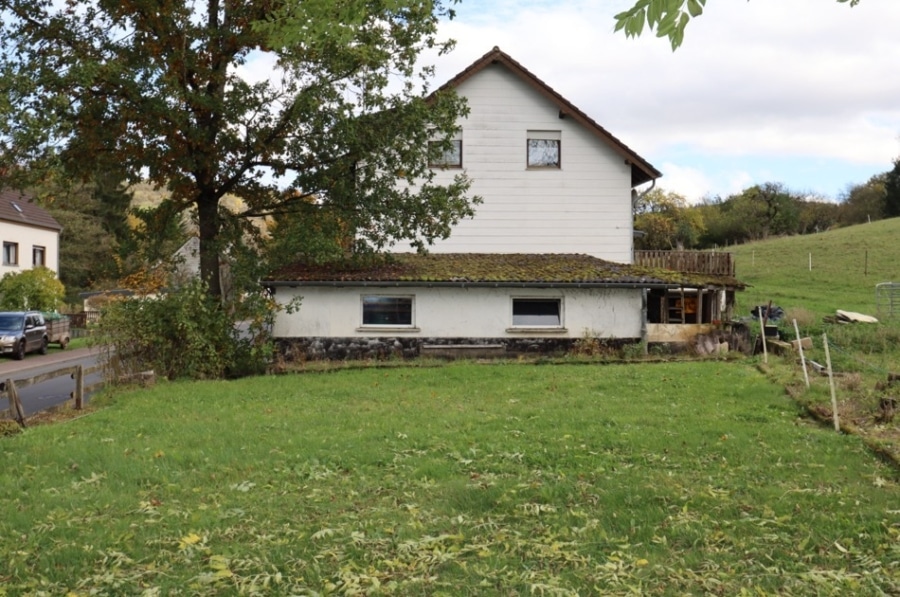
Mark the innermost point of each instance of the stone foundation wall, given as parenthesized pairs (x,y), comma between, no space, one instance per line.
(340,349)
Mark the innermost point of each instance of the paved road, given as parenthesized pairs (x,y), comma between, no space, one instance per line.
(49,393)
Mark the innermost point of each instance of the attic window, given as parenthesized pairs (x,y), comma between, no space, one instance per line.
(16,206)
(449,158)
(544,149)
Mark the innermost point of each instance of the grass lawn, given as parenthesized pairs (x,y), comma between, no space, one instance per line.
(465,479)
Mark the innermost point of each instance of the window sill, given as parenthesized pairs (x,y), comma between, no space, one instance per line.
(543,167)
(389,328)
(534,330)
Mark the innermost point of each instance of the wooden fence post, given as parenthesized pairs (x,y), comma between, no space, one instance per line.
(79,387)
(834,405)
(802,356)
(15,405)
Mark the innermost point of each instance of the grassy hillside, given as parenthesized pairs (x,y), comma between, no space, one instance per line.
(846,265)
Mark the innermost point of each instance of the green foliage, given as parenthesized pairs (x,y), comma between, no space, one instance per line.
(36,288)
(864,202)
(95,242)
(185,333)
(346,111)
(668,17)
(666,221)
(466,479)
(892,191)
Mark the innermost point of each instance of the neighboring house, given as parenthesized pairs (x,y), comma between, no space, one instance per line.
(29,235)
(545,263)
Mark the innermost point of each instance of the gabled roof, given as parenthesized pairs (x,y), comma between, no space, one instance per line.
(18,208)
(490,270)
(641,170)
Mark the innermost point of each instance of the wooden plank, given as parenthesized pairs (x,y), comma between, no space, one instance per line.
(30,381)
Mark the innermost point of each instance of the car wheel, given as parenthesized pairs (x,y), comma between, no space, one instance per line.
(20,351)
(44,345)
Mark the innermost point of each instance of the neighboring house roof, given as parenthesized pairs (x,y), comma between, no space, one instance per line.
(18,208)
(489,270)
(641,170)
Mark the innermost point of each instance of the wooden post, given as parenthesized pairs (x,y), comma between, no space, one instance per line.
(834,407)
(762,334)
(810,262)
(79,387)
(15,405)
(700,293)
(802,357)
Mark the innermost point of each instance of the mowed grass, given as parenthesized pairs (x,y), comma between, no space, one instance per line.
(465,479)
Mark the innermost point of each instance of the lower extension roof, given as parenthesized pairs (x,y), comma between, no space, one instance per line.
(489,270)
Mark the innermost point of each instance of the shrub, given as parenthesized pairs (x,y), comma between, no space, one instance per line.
(185,334)
(36,288)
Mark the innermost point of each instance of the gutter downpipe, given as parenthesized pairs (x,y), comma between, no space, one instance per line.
(634,201)
(644,334)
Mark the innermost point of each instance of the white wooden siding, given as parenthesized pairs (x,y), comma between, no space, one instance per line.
(583,207)
(454,312)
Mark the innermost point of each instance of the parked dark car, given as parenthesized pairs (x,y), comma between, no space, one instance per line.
(22,332)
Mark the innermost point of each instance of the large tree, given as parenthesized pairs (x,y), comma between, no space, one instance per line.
(668,17)
(163,90)
(667,221)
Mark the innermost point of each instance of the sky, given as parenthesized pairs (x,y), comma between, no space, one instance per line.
(801,92)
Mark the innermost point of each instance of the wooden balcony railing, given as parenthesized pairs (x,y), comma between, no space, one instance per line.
(693,262)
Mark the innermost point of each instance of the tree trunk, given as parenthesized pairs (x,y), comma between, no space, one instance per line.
(208,224)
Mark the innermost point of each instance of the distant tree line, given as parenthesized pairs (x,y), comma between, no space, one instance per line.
(667,221)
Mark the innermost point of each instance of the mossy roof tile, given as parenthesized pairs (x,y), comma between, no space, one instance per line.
(491,268)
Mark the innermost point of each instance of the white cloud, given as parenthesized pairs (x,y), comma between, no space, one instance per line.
(765,80)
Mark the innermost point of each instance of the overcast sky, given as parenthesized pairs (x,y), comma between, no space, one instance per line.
(802,92)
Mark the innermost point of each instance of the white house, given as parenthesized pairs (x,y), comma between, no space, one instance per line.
(545,262)
(552,179)
(29,234)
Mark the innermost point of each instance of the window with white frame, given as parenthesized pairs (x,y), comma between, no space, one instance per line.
(544,149)
(10,253)
(393,311)
(445,157)
(38,255)
(537,312)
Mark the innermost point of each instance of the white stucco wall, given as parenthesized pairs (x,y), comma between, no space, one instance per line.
(452,312)
(28,237)
(582,207)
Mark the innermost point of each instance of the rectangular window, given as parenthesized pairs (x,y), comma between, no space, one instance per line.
(544,149)
(387,310)
(537,312)
(450,158)
(10,253)
(38,256)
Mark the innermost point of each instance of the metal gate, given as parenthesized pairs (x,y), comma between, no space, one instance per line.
(887,299)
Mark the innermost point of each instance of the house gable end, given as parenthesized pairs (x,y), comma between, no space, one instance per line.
(641,170)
